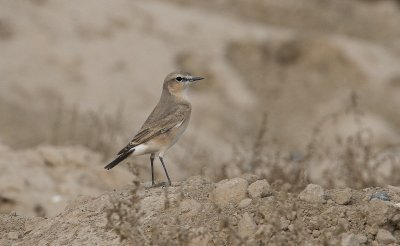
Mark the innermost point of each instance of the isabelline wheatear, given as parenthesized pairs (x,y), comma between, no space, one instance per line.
(165,124)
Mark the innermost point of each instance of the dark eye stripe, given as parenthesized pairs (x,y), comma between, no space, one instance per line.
(179,78)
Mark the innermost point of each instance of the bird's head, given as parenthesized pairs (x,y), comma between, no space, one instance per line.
(176,83)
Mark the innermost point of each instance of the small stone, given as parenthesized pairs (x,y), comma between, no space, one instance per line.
(381,195)
(13,235)
(260,188)
(246,226)
(313,193)
(385,237)
(380,212)
(342,196)
(350,240)
(230,191)
(244,203)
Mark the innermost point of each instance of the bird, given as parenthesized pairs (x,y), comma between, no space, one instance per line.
(164,126)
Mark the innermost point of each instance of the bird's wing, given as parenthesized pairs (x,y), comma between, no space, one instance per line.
(159,125)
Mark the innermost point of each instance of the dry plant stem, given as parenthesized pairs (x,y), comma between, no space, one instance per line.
(259,143)
(124,216)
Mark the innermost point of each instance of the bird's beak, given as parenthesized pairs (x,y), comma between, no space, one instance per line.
(192,78)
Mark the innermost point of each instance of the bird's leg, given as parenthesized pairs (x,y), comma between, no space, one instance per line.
(152,169)
(165,169)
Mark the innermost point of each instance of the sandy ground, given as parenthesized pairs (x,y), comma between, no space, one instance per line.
(240,211)
(78,80)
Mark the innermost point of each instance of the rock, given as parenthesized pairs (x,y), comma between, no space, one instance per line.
(246,226)
(379,212)
(342,196)
(385,237)
(313,193)
(189,207)
(230,191)
(244,203)
(381,195)
(260,188)
(350,240)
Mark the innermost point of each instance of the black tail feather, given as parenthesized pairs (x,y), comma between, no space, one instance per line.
(120,158)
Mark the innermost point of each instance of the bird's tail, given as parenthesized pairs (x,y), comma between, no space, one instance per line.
(120,158)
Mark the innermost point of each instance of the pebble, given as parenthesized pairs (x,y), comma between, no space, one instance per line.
(381,195)
(244,203)
(380,212)
(385,237)
(260,188)
(313,193)
(230,191)
(342,196)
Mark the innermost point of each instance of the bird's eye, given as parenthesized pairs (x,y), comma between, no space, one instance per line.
(179,78)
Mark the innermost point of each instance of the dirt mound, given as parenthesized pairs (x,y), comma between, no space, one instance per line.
(198,211)
(41,181)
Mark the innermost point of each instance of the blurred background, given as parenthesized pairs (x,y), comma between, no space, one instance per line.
(296,91)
